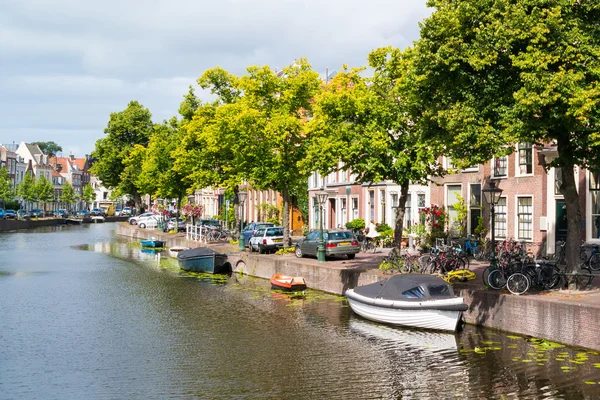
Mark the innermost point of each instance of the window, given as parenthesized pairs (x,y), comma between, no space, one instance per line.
(453,191)
(371,205)
(407,211)
(500,167)
(474,206)
(449,164)
(344,212)
(595,200)
(525,158)
(316,210)
(557,181)
(354,207)
(524,218)
(382,202)
(420,206)
(500,213)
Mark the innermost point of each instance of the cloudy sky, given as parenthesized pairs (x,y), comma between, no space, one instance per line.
(65,65)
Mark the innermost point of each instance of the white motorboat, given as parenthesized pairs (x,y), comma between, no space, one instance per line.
(97,218)
(415,300)
(174,250)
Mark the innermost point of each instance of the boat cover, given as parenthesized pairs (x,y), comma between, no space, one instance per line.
(197,252)
(408,287)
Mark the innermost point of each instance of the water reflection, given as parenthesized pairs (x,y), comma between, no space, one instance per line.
(88,315)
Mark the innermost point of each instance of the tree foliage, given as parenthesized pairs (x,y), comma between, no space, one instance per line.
(44,190)
(124,131)
(49,148)
(89,195)
(491,74)
(26,189)
(7,191)
(68,194)
(365,122)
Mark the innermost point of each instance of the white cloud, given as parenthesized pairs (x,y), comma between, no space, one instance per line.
(69,63)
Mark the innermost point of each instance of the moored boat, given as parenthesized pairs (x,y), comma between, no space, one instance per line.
(203,259)
(288,283)
(174,250)
(153,243)
(415,300)
(97,218)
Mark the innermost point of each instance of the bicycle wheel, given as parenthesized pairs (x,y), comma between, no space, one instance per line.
(584,278)
(594,262)
(486,273)
(496,279)
(517,283)
(553,278)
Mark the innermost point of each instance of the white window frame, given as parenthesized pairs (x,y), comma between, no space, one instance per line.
(497,213)
(518,160)
(355,212)
(517,213)
(450,222)
(493,172)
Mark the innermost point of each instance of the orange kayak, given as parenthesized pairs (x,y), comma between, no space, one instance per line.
(288,283)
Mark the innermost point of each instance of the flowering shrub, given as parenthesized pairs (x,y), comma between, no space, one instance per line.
(435,218)
(160,209)
(192,210)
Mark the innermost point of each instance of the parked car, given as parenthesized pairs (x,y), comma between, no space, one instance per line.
(150,221)
(180,224)
(61,213)
(37,213)
(134,220)
(22,214)
(126,212)
(336,242)
(97,212)
(252,228)
(10,214)
(83,213)
(2,213)
(266,239)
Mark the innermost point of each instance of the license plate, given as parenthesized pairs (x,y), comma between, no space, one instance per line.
(344,244)
(277,240)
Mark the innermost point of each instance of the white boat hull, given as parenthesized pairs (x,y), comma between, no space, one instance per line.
(422,315)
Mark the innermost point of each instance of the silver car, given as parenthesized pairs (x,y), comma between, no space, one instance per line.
(266,239)
(336,242)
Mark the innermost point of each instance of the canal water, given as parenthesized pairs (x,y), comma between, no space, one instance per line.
(87,315)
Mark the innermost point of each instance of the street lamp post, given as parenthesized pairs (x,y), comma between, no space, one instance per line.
(492,197)
(242,199)
(322,197)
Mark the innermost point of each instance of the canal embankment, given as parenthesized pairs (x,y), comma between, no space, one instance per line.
(565,317)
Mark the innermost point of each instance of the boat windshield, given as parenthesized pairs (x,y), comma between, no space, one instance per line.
(414,293)
(439,290)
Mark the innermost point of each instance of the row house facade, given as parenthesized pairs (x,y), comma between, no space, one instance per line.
(255,207)
(347,200)
(531,208)
(14,163)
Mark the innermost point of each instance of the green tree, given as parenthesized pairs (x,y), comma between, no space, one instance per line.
(49,148)
(89,195)
(68,194)
(277,107)
(44,191)
(365,123)
(492,74)
(157,170)
(7,191)
(125,130)
(26,189)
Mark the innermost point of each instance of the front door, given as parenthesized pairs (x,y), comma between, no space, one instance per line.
(332,214)
(561,220)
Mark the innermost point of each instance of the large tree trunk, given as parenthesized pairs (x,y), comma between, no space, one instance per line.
(399,223)
(569,191)
(286,218)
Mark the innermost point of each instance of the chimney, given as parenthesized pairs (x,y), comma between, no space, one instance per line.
(72,157)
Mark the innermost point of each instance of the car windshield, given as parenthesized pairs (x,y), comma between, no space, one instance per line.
(274,232)
(260,232)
